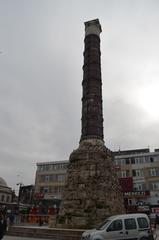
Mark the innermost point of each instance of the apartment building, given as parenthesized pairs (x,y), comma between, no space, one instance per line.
(50,180)
(142,167)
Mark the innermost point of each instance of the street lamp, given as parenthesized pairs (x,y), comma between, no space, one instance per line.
(20,184)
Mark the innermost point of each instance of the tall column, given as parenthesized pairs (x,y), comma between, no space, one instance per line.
(92,190)
(92,113)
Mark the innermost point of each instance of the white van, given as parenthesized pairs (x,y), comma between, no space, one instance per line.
(121,227)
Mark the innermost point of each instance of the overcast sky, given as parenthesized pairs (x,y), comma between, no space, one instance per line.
(41,45)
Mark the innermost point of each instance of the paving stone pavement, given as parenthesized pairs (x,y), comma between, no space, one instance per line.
(21,238)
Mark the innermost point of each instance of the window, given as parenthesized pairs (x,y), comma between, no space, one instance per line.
(137,160)
(130,224)
(60,189)
(42,178)
(151,159)
(155,186)
(123,161)
(137,173)
(63,165)
(133,173)
(47,178)
(123,173)
(47,167)
(115,226)
(46,190)
(54,167)
(142,222)
(147,160)
(127,161)
(60,178)
(103,225)
(116,162)
(2,198)
(132,160)
(40,168)
(138,186)
(8,198)
(153,172)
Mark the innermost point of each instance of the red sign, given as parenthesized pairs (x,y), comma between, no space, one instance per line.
(39,196)
(155,210)
(126,184)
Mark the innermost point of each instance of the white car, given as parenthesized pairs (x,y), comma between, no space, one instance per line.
(121,227)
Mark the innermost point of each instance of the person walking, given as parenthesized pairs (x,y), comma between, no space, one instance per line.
(3,225)
(157,222)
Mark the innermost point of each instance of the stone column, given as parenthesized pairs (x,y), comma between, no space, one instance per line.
(92,113)
(92,191)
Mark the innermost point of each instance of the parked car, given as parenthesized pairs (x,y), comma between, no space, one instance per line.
(127,226)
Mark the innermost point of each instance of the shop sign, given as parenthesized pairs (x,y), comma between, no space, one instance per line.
(49,196)
(143,208)
(155,210)
(137,194)
(39,196)
(126,184)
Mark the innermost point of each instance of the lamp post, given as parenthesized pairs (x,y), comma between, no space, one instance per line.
(20,184)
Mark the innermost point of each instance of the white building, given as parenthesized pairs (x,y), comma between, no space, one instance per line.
(5,193)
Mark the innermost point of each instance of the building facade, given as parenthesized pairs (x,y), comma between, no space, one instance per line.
(141,168)
(6,193)
(50,180)
(26,194)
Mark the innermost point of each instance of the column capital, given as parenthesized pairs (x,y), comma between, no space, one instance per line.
(93,27)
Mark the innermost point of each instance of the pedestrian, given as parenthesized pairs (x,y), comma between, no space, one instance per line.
(3,225)
(157,222)
(40,221)
(11,218)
